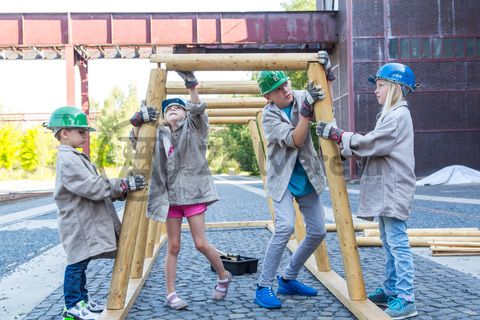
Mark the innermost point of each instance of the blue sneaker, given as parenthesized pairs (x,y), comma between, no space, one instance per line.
(401,309)
(295,287)
(265,298)
(379,297)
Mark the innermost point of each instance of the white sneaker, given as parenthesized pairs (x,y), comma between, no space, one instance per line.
(93,306)
(221,289)
(174,302)
(79,312)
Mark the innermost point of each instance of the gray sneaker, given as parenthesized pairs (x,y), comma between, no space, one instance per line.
(401,309)
(221,289)
(379,297)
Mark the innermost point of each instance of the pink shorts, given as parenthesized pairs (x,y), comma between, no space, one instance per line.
(186,210)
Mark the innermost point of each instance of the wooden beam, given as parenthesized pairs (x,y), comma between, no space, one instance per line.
(332,227)
(338,191)
(233,224)
(365,310)
(216,87)
(440,232)
(240,103)
(229,120)
(415,241)
(135,200)
(239,62)
(233,112)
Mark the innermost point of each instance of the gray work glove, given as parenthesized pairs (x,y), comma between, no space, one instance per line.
(189,78)
(328,130)
(146,114)
(133,183)
(314,93)
(324,59)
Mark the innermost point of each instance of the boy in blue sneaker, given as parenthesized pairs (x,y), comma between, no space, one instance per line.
(293,172)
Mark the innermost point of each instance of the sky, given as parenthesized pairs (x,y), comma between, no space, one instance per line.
(40,85)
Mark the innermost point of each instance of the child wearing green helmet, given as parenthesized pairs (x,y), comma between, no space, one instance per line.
(387,185)
(182,185)
(88,224)
(293,172)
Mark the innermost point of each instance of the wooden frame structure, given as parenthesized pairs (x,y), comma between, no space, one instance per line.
(141,238)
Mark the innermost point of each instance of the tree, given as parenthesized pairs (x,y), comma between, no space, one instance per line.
(10,137)
(28,156)
(299,5)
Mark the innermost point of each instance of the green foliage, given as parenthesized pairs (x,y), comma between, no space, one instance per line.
(107,145)
(10,146)
(28,156)
(230,147)
(299,5)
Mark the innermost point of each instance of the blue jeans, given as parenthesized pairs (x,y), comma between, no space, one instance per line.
(399,261)
(312,211)
(74,283)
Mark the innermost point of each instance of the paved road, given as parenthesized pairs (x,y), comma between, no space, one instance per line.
(32,263)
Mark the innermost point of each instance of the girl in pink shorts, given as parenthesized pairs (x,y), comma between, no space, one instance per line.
(182,185)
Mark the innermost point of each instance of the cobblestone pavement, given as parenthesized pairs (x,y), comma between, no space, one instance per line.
(441,292)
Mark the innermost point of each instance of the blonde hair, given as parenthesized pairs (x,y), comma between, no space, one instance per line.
(394,95)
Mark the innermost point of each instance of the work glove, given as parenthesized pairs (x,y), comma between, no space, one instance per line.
(324,59)
(133,183)
(189,79)
(314,93)
(146,114)
(329,131)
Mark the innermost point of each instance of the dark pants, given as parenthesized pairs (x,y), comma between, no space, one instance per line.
(74,283)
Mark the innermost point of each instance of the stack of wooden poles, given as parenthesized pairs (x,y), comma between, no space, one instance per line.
(226,110)
(442,241)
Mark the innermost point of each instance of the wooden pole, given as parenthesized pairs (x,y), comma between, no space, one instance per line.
(260,155)
(158,233)
(216,87)
(139,253)
(441,232)
(233,112)
(240,103)
(135,200)
(338,192)
(416,241)
(239,62)
(152,230)
(229,120)
(331,227)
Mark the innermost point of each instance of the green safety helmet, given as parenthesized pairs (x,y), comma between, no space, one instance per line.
(68,118)
(270,80)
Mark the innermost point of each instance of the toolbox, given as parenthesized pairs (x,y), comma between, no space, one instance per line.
(238,265)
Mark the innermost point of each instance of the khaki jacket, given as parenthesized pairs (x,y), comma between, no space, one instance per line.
(88,224)
(184,177)
(282,152)
(387,185)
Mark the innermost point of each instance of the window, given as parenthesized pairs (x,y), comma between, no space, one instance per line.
(415,43)
(459,47)
(426,49)
(393,48)
(404,48)
(437,48)
(470,47)
(448,47)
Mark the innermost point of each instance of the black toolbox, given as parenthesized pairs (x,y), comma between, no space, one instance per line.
(239,266)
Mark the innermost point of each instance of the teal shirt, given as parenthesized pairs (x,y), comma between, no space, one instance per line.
(299,185)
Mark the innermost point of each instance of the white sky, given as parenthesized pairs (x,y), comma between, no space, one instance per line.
(40,85)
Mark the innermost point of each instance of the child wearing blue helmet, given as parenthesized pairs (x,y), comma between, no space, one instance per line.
(387,185)
(182,185)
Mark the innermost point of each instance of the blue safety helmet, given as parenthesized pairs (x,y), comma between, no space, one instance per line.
(396,73)
(173,101)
